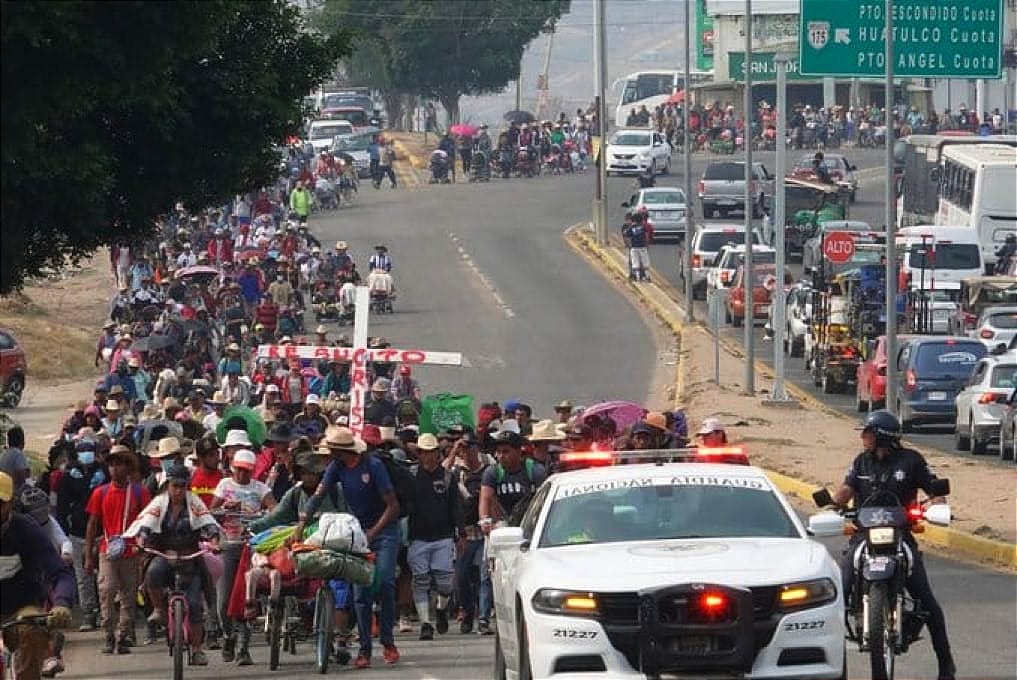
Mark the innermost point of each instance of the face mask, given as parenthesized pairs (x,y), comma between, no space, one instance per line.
(86,457)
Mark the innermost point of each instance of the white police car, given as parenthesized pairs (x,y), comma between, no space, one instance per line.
(685,569)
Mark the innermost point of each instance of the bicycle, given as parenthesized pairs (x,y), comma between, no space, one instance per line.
(324,610)
(178,626)
(40,621)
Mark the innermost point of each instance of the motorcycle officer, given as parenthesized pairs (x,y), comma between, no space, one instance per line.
(884,465)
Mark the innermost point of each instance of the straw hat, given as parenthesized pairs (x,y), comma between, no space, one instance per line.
(545,431)
(342,439)
(168,446)
(656,419)
(427,442)
(112,405)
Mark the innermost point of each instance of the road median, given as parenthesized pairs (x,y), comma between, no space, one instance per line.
(982,499)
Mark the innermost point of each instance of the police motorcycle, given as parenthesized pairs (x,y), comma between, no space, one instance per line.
(880,615)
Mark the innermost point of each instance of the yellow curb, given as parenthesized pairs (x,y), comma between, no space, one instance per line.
(951,540)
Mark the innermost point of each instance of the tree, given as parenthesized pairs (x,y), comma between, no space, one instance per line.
(113,111)
(447,48)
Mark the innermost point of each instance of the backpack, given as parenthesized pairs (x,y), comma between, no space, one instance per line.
(528,463)
(402,482)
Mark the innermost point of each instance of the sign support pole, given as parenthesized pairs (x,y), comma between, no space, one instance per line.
(749,279)
(891,228)
(600,78)
(687,146)
(779,220)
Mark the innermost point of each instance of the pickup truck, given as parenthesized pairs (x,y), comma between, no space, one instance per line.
(722,188)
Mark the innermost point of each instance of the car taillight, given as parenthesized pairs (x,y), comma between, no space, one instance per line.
(697,261)
(915,513)
(910,379)
(702,187)
(969,320)
(987,333)
(725,277)
(990,397)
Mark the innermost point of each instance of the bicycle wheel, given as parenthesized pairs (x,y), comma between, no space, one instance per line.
(177,612)
(324,608)
(275,624)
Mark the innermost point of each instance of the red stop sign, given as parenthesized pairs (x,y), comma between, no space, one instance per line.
(838,247)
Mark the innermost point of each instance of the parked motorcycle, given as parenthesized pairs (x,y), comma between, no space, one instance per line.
(881,616)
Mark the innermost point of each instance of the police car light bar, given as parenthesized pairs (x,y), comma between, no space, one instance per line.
(730,455)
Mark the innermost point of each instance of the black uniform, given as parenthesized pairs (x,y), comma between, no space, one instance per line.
(902,472)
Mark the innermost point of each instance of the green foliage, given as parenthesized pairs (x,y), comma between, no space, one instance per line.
(442,48)
(113,111)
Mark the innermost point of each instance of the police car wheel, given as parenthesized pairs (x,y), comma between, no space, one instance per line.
(500,672)
(525,672)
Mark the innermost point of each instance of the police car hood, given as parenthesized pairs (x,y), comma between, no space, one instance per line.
(634,565)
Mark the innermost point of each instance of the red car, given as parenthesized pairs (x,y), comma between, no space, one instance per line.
(13,368)
(870,386)
(763,286)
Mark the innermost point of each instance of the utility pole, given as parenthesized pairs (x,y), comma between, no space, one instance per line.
(687,146)
(779,219)
(891,220)
(543,81)
(748,281)
(600,80)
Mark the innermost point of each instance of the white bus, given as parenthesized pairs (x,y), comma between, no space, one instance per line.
(651,89)
(978,188)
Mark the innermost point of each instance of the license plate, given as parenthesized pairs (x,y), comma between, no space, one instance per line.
(692,645)
(941,314)
(936,396)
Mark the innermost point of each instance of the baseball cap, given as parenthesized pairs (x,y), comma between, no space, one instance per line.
(244,458)
(711,425)
(513,439)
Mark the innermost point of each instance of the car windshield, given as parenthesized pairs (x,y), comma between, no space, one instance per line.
(659,197)
(1003,320)
(712,241)
(355,116)
(351,143)
(663,508)
(1004,376)
(328,131)
(631,139)
(725,171)
(339,100)
(947,256)
(948,359)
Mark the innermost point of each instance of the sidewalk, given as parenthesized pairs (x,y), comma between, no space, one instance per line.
(809,446)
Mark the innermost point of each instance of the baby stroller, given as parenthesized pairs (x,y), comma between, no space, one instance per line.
(480,168)
(439,167)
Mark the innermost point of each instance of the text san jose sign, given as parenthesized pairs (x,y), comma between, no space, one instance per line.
(931,38)
(764,69)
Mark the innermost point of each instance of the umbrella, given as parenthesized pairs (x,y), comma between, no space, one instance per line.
(152,343)
(623,413)
(463,129)
(256,430)
(202,270)
(677,98)
(519,117)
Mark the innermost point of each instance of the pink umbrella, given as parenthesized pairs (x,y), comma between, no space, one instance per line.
(463,129)
(623,413)
(677,98)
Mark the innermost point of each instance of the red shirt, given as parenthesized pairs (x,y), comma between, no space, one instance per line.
(107,505)
(203,483)
(263,464)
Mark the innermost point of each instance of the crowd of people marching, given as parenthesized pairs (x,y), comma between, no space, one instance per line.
(193,439)
(720,128)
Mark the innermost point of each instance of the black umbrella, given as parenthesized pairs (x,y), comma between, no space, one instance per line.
(519,117)
(152,343)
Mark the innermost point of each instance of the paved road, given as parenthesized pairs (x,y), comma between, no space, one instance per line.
(869,208)
(554,328)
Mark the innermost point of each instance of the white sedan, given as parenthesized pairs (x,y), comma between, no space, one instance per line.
(636,571)
(634,151)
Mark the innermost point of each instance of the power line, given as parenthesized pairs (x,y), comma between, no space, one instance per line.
(488,19)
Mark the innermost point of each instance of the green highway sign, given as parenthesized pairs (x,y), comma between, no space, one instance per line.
(931,38)
(763,67)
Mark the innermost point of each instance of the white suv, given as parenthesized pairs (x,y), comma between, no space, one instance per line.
(634,151)
(706,243)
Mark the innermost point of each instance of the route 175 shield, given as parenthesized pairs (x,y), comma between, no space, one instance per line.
(819,34)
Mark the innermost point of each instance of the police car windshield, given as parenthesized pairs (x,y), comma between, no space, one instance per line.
(684,506)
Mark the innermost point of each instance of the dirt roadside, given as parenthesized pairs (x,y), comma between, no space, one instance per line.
(808,444)
(57,322)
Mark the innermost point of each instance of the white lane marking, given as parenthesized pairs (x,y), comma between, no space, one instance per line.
(485,280)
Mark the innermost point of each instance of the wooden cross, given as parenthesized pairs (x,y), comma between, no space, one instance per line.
(359,355)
